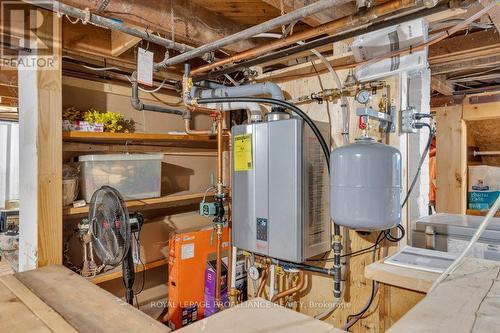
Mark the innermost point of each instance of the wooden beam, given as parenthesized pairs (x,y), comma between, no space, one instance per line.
(461,48)
(466,64)
(40,97)
(117,89)
(483,111)
(8,91)
(494,13)
(193,24)
(121,42)
(441,101)
(8,76)
(439,84)
(343,9)
(86,38)
(451,160)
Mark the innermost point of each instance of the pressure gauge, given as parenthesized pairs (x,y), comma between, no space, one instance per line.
(253,272)
(363,96)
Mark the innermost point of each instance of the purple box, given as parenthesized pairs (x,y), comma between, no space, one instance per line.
(210,277)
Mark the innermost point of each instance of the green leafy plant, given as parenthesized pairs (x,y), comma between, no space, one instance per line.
(113,122)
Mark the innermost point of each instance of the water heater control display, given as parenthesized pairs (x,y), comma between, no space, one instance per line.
(262,229)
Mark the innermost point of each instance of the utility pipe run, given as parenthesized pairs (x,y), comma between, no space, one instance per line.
(140,106)
(87,16)
(216,90)
(333,26)
(344,34)
(291,291)
(264,88)
(250,32)
(486,153)
(262,284)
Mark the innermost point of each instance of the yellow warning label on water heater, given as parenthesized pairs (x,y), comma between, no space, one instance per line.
(243,152)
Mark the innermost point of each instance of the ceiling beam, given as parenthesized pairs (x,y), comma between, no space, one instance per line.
(494,13)
(439,84)
(8,91)
(121,42)
(466,65)
(345,8)
(193,24)
(471,46)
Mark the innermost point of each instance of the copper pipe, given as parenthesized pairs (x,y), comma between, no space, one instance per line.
(412,48)
(291,291)
(218,268)
(262,284)
(220,143)
(338,25)
(199,109)
(188,130)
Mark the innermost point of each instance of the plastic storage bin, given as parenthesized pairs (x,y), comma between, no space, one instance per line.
(135,176)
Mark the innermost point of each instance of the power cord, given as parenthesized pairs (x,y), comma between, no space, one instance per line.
(385,234)
(422,158)
(137,238)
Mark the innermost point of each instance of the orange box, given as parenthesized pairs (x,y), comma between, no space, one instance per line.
(189,254)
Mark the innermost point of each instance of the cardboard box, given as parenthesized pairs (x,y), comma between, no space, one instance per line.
(189,255)
(484,186)
(210,285)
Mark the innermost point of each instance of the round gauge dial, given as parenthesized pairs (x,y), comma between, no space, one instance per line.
(363,96)
(253,272)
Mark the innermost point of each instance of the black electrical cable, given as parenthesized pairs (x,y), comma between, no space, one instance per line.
(421,162)
(386,235)
(372,294)
(277,102)
(137,237)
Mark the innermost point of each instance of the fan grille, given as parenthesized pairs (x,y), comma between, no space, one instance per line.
(110,227)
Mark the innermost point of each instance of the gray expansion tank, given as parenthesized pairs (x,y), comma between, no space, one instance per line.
(365,185)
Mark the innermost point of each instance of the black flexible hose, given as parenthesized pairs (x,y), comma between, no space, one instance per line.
(277,102)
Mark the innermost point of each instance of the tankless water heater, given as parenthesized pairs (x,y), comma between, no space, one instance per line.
(280,190)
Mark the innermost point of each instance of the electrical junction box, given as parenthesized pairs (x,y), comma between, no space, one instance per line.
(280,190)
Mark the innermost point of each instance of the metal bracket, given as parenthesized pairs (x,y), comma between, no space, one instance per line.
(408,120)
(386,119)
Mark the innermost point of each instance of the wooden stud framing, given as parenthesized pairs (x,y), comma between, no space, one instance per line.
(41,155)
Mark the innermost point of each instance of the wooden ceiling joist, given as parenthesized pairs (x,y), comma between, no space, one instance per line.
(494,13)
(470,46)
(439,84)
(192,24)
(345,8)
(8,91)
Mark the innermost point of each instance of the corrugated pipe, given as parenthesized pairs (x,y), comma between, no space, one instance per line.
(87,16)
(140,106)
(250,32)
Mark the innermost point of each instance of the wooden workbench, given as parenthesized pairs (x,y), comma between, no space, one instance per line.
(467,301)
(259,316)
(54,299)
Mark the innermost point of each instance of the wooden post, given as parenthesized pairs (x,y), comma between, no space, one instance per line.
(40,103)
(451,160)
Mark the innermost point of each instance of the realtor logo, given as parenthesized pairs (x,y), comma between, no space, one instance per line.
(27,35)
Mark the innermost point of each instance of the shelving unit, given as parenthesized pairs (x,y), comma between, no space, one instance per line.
(165,140)
(144,204)
(116,272)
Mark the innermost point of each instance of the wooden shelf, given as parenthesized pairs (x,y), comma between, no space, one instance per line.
(166,140)
(116,272)
(145,204)
(480,212)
